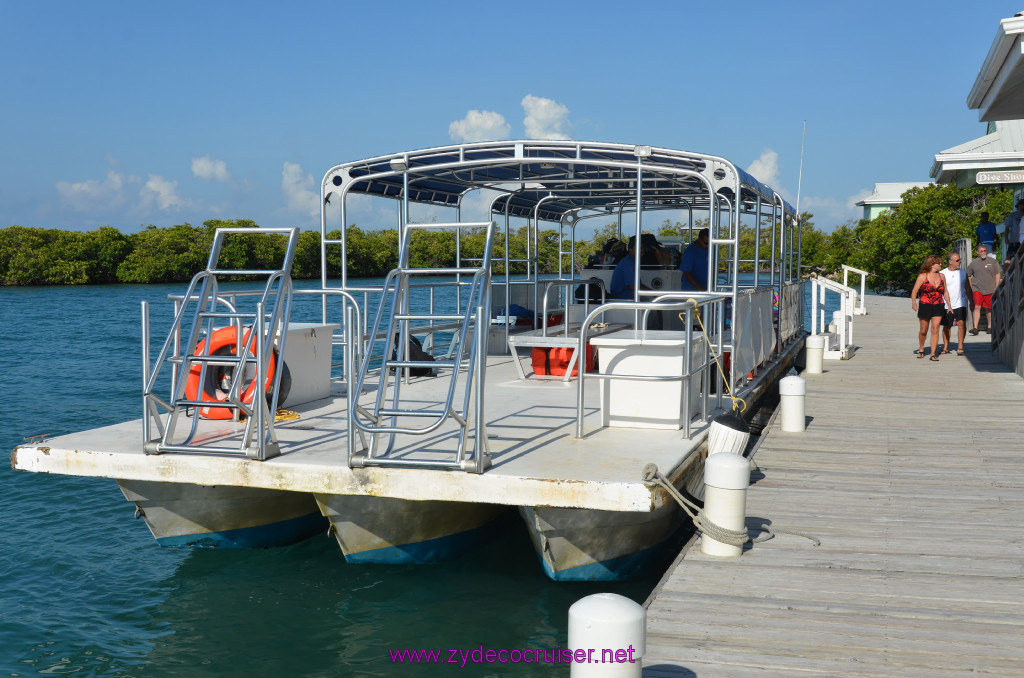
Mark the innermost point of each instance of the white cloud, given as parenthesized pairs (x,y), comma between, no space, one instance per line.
(93,194)
(545,119)
(479,126)
(852,201)
(206,168)
(831,212)
(162,191)
(766,168)
(299,190)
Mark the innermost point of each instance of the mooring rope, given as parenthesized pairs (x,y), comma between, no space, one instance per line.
(651,474)
(735,400)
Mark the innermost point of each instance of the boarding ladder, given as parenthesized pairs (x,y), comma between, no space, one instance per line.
(389,415)
(188,421)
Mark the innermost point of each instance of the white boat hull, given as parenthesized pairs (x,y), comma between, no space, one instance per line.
(386,530)
(223,516)
(589,545)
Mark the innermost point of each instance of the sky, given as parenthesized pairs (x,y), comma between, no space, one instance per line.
(135,113)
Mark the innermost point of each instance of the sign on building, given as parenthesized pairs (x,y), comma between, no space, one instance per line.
(1001,177)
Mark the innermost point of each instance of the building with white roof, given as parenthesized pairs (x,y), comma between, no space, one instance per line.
(886,196)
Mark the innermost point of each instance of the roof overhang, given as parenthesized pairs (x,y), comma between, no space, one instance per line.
(948,165)
(998,92)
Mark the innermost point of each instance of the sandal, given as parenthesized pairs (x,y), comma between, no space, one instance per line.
(920,355)
(934,358)
(960,351)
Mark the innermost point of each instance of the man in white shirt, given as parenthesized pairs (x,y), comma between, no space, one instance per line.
(958,287)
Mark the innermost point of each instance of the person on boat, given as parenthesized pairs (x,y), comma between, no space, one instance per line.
(614,251)
(985,274)
(623,276)
(958,287)
(652,253)
(930,309)
(695,263)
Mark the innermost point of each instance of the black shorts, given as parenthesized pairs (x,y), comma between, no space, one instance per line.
(957,315)
(929,311)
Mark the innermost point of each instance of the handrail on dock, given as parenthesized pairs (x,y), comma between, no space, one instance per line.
(847,270)
(820,286)
(1008,317)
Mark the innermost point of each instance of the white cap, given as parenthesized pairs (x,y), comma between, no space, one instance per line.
(816,341)
(792,386)
(727,471)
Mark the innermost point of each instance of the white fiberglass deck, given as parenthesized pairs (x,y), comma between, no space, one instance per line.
(537,461)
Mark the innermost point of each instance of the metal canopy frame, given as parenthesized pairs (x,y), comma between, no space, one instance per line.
(564,182)
(585,175)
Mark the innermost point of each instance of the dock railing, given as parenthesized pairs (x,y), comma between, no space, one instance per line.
(1008,317)
(847,270)
(842,347)
(694,366)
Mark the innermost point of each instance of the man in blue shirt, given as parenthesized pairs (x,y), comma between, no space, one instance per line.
(695,263)
(986,232)
(624,274)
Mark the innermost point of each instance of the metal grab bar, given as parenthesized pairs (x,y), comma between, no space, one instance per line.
(820,286)
(847,270)
(256,346)
(396,317)
(568,283)
(689,371)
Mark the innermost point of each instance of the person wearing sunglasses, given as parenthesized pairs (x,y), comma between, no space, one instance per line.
(958,287)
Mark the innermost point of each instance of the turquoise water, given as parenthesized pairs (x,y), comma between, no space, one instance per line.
(85,590)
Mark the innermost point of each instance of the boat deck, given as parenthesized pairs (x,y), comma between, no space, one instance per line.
(911,473)
(537,461)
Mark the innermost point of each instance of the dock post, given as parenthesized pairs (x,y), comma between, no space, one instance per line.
(814,349)
(726,478)
(607,637)
(792,391)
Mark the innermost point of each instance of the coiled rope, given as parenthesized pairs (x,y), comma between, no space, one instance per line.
(651,474)
(721,370)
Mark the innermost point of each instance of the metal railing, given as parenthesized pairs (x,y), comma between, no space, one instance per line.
(847,270)
(820,287)
(1008,317)
(548,285)
(394,311)
(253,348)
(693,366)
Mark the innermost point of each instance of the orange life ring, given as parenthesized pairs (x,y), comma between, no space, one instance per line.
(222,343)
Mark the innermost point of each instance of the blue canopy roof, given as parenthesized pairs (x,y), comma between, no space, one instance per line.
(552,178)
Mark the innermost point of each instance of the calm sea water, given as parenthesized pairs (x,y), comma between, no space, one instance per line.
(85,590)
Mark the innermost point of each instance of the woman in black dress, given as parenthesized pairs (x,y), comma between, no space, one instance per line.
(931,286)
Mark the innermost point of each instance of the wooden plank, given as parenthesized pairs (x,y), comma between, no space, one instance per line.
(912,475)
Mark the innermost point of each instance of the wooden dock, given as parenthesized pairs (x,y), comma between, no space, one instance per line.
(911,473)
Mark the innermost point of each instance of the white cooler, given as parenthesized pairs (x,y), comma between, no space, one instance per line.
(645,404)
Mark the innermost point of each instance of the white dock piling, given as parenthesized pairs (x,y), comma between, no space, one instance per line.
(814,350)
(726,478)
(607,635)
(792,391)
